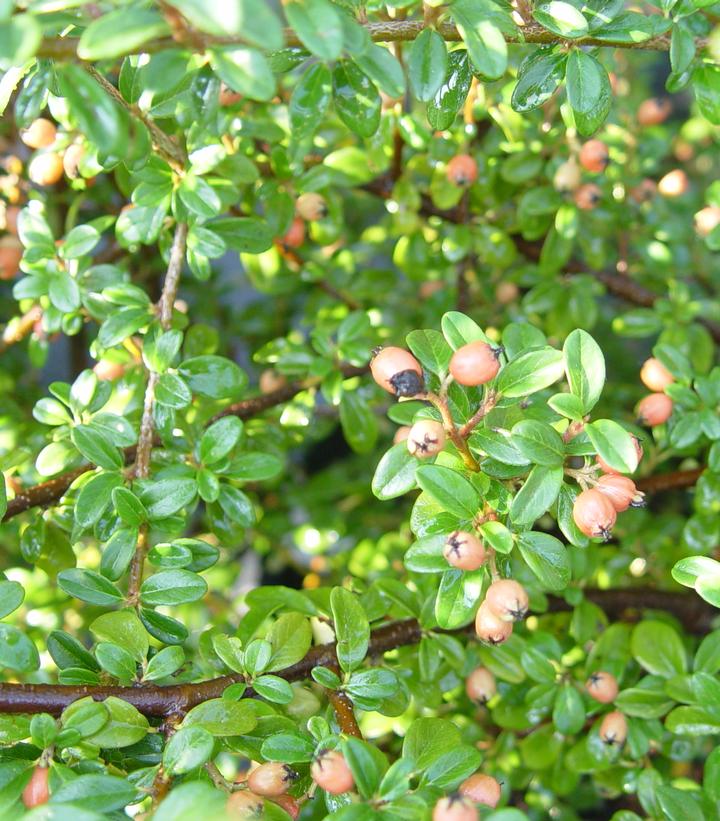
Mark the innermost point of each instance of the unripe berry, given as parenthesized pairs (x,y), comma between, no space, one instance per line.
(39,134)
(464,550)
(397,370)
(603,687)
(605,468)
(674,184)
(654,111)
(613,729)
(401,434)
(567,176)
(36,791)
(594,156)
(482,789)
(588,196)
(454,808)
(462,170)
(331,772)
(655,376)
(480,685)
(594,514)
(271,779)
(244,804)
(11,251)
(107,370)
(311,207)
(507,599)
(621,491)
(489,627)
(645,191)
(271,381)
(706,220)
(290,804)
(475,363)
(71,160)
(426,439)
(654,409)
(295,234)
(46,169)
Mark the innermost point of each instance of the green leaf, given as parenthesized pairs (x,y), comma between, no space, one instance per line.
(352,629)
(682,48)
(273,688)
(172,587)
(20,38)
(584,368)
(613,444)
(310,99)
(367,764)
(255,22)
(530,372)
(706,85)
(120,32)
(426,555)
(164,497)
(429,738)
(129,508)
(358,422)
(562,19)
(172,391)
(123,627)
(219,439)
(568,711)
(539,77)
(427,64)
(588,90)
(213,376)
(187,749)
(497,536)
(450,769)
(98,792)
(383,69)
(450,97)
(67,651)
(290,748)
(94,497)
(395,473)
(692,721)
(96,447)
(431,350)
(450,489)
(539,442)
(357,101)
(548,559)
(483,37)
(459,330)
(222,717)
(17,652)
(290,638)
(458,597)
(245,70)
(168,661)
(537,495)
(116,661)
(658,648)
(318,25)
(11,596)
(89,586)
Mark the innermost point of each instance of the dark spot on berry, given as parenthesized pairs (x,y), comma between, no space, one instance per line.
(407,383)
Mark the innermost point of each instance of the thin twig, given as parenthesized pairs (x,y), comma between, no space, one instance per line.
(344,712)
(18,328)
(451,429)
(483,410)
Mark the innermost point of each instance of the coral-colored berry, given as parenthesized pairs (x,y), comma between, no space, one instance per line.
(271,779)
(489,627)
(655,409)
(41,133)
(588,196)
(594,514)
(244,804)
(482,789)
(621,491)
(507,599)
(614,729)
(46,169)
(462,170)
(707,220)
(602,686)
(295,234)
(654,111)
(480,685)
(454,808)
(289,803)
(227,96)
(644,191)
(397,370)
(11,251)
(506,292)
(311,206)
(426,438)
(401,434)
(464,550)
(567,177)
(674,184)
(331,772)
(36,791)
(655,376)
(271,381)
(71,160)
(475,363)
(594,156)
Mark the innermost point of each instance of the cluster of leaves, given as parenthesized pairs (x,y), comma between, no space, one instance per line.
(217,115)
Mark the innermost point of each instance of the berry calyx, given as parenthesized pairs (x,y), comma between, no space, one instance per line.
(674,184)
(621,491)
(462,170)
(464,550)
(36,791)
(244,804)
(507,599)
(271,779)
(588,196)
(654,375)
(654,111)
(41,133)
(426,438)
(397,371)
(567,176)
(482,789)
(331,772)
(594,156)
(480,685)
(475,363)
(602,686)
(605,468)
(654,409)
(454,808)
(594,514)
(614,729)
(311,206)
(489,627)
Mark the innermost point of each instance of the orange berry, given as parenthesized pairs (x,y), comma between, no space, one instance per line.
(71,160)
(507,599)
(613,729)
(397,371)
(295,234)
(506,292)
(10,219)
(594,514)
(480,685)
(594,156)
(244,804)
(603,687)
(331,772)
(464,550)
(621,491)
(271,381)
(588,196)
(290,804)
(46,169)
(227,96)
(401,434)
(426,438)
(11,251)
(107,370)
(655,376)
(654,111)
(311,207)
(482,789)
(271,779)
(489,627)
(655,409)
(462,170)
(475,363)
(454,808)
(706,220)
(41,133)
(36,791)
(674,184)
(645,191)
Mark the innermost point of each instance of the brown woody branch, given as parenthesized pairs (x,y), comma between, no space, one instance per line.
(694,614)
(344,712)
(18,328)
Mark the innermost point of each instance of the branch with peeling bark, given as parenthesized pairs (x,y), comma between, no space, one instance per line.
(630,604)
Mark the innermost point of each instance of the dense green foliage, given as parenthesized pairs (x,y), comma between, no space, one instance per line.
(215,211)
